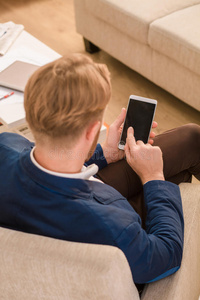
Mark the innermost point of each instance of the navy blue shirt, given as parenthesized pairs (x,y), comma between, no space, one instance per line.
(92,212)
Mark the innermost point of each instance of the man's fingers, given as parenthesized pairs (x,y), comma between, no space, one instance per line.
(139,142)
(127,151)
(130,140)
(150,141)
(155,124)
(120,119)
(152,135)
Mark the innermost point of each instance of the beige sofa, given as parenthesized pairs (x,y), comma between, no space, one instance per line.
(35,267)
(158,39)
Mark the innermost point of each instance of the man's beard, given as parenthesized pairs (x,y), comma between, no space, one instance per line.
(93,147)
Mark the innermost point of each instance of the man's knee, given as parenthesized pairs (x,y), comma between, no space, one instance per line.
(193,132)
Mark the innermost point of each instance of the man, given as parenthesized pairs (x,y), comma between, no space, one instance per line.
(46,189)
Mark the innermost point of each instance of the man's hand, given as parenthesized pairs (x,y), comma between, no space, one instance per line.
(110,146)
(152,134)
(144,159)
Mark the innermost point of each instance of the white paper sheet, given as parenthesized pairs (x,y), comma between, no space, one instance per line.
(9,32)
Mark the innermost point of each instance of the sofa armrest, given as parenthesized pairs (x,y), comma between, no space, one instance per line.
(38,267)
(184,284)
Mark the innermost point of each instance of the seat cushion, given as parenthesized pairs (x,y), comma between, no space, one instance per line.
(133,17)
(178,37)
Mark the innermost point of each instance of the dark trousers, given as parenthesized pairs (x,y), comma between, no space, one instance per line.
(181,156)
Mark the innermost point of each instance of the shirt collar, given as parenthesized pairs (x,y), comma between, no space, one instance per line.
(86,172)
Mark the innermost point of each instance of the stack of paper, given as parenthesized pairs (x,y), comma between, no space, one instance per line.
(9,32)
(11,108)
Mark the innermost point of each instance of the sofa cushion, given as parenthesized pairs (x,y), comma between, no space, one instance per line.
(133,17)
(178,37)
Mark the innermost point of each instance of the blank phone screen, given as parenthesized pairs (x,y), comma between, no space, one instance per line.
(140,116)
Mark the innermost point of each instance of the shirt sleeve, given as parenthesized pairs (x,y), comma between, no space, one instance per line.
(97,158)
(156,252)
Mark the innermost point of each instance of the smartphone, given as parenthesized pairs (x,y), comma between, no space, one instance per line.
(140,114)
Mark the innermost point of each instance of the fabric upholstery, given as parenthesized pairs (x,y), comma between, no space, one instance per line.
(185,284)
(136,55)
(177,36)
(176,79)
(36,267)
(164,71)
(134,17)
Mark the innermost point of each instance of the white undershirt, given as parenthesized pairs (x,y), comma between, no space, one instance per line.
(86,172)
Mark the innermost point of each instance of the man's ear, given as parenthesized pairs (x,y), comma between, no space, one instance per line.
(92,130)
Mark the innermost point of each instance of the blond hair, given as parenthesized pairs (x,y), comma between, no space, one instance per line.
(64,96)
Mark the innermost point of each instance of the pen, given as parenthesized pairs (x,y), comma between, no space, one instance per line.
(3,33)
(6,96)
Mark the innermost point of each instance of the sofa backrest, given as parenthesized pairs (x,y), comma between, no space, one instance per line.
(134,17)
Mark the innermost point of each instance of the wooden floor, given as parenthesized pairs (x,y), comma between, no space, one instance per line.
(53,22)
